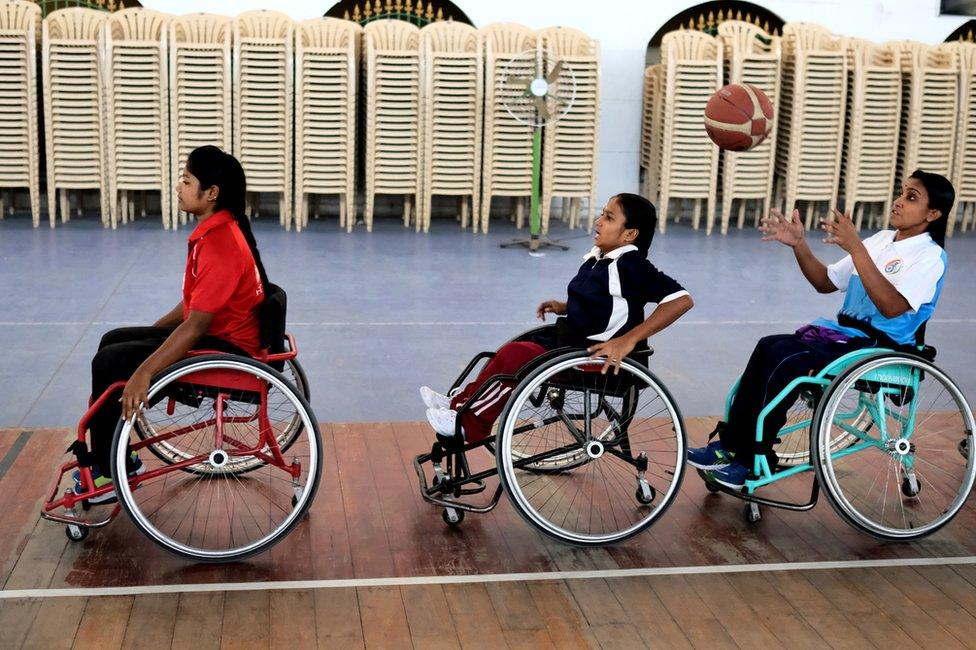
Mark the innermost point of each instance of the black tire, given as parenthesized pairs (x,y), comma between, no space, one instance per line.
(121,439)
(508,476)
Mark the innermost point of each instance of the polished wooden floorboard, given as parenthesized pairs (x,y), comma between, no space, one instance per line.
(368,521)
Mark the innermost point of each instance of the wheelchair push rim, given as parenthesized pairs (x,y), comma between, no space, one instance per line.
(626,428)
(904,476)
(169,452)
(222,516)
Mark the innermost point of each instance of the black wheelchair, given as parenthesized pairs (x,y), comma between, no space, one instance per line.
(586,458)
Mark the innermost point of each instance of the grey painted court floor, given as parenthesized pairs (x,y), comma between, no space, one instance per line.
(378,314)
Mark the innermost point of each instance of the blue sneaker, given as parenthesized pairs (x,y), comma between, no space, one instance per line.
(733,476)
(135,467)
(712,456)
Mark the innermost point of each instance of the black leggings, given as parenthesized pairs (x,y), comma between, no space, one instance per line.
(776,361)
(120,353)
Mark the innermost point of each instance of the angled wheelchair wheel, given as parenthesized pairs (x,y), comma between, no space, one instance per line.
(217,513)
(179,404)
(619,441)
(903,478)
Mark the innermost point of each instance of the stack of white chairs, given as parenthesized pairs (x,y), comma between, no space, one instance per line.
(393,124)
(571,139)
(511,51)
(137,124)
(871,145)
(692,63)
(263,105)
(326,67)
(74,108)
(811,117)
(930,101)
(200,90)
(652,114)
(964,159)
(452,93)
(752,57)
(19,164)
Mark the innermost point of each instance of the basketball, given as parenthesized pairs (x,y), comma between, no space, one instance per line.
(738,117)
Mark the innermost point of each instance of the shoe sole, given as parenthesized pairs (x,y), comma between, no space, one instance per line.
(707,467)
(727,484)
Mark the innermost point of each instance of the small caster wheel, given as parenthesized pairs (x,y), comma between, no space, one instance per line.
(75,533)
(452,517)
(910,486)
(294,501)
(751,513)
(86,505)
(963,448)
(645,494)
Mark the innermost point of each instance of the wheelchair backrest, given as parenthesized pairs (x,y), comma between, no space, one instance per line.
(271,319)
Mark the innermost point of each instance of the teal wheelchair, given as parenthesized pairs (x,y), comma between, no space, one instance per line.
(887,435)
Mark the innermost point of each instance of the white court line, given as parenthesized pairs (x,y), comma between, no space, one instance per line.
(679,323)
(481,579)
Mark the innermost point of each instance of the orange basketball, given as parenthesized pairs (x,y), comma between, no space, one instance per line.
(738,117)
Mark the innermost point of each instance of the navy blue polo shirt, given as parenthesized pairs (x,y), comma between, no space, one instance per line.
(608,295)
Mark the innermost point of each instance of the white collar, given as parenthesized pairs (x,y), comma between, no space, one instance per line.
(614,254)
(920,240)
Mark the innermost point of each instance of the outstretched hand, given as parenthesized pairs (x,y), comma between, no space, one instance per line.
(550,307)
(776,227)
(841,231)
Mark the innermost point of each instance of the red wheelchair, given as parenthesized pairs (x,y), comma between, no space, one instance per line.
(230,451)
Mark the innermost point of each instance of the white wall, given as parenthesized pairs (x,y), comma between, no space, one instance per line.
(624,28)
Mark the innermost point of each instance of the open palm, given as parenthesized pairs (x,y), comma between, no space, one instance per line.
(776,227)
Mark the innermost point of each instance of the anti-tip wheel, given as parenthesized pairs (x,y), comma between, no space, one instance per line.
(75,533)
(452,516)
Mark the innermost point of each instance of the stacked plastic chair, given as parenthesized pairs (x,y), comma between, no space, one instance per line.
(263,117)
(510,51)
(871,146)
(393,124)
(692,63)
(74,107)
(752,57)
(19,166)
(571,141)
(812,103)
(964,165)
(137,125)
(930,101)
(452,93)
(652,113)
(326,67)
(200,90)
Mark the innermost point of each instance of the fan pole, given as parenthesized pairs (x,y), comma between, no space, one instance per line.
(535,220)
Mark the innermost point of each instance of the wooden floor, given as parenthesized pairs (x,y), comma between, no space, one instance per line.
(369,522)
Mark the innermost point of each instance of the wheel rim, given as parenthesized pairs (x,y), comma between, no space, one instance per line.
(594,502)
(918,418)
(220,514)
(170,452)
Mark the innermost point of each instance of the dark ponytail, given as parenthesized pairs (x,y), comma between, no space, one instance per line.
(211,167)
(941,197)
(641,215)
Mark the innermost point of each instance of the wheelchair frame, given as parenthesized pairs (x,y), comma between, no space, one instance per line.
(221,380)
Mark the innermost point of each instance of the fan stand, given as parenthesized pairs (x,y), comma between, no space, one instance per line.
(535,241)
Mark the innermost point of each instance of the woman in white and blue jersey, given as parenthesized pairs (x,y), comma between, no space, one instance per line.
(892,282)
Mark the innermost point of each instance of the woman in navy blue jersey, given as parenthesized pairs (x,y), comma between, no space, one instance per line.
(603,312)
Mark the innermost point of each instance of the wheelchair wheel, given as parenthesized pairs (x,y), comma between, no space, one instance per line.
(168,450)
(622,432)
(794,446)
(918,418)
(217,514)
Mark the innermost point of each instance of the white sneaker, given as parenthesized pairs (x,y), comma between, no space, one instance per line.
(443,421)
(433,399)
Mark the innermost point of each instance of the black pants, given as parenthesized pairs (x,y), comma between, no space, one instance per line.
(120,352)
(776,361)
